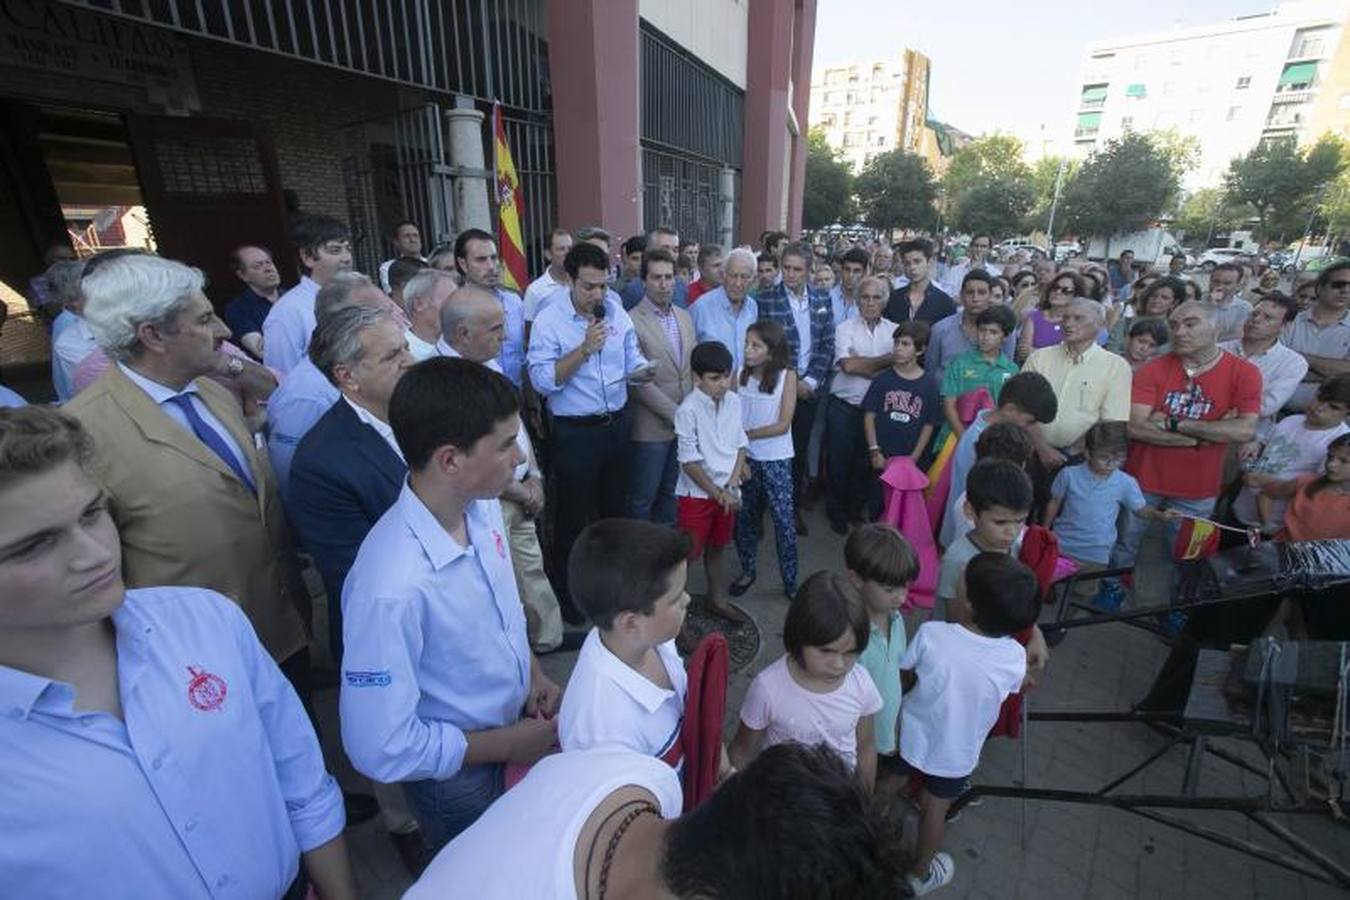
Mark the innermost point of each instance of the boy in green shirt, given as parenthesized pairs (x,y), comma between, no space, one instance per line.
(985,366)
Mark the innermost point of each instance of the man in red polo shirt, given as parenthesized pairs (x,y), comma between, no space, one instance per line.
(1186,408)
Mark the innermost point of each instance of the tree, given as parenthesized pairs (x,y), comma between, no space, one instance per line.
(996,205)
(993,156)
(1044,174)
(1122,187)
(1206,211)
(1335,207)
(896,190)
(828,189)
(1281,183)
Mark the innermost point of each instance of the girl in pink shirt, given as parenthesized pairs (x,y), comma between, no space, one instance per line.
(816,693)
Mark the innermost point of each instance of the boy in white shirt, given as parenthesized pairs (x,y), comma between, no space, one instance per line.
(628,687)
(710,447)
(955,676)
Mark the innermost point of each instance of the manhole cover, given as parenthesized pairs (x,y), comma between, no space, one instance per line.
(742,637)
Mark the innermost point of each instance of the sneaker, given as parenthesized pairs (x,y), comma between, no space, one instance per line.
(1173,623)
(940,873)
(1110,595)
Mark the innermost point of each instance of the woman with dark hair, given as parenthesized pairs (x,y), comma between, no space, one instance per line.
(1154,302)
(1040,328)
(606,823)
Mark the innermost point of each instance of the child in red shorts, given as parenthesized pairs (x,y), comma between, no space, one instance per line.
(711,446)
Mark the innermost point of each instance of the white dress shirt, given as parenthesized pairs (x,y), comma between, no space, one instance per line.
(434,642)
(381,428)
(540,289)
(289,326)
(210,785)
(854,338)
(801,317)
(1282,370)
(72,341)
(710,434)
(419,348)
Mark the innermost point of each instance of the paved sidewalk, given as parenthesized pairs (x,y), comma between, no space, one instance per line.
(1010,848)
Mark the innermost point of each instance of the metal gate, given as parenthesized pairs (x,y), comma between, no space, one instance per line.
(398,168)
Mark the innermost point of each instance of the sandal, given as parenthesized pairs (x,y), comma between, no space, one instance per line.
(741,585)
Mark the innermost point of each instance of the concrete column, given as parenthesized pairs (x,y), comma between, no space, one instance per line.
(803,51)
(726,207)
(472,209)
(593,62)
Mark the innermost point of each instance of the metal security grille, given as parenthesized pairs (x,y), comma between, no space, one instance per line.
(483,48)
(693,122)
(686,105)
(683,193)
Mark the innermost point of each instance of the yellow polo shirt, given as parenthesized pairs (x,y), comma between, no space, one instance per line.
(1093,388)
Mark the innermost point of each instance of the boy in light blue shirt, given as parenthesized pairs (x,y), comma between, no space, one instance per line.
(1085,499)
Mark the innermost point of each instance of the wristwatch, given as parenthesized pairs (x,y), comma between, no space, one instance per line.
(234,366)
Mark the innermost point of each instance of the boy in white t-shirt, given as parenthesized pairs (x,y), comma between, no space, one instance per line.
(628,686)
(955,676)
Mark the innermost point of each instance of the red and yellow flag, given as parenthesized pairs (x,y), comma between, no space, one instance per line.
(1197,539)
(510,199)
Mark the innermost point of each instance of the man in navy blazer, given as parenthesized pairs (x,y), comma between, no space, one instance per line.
(347,469)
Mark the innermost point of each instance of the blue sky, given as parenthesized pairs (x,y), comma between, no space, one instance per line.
(1000,65)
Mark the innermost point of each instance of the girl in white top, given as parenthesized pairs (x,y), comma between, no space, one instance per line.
(816,693)
(768,392)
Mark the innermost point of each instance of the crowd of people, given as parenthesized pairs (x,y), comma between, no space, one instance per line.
(473,474)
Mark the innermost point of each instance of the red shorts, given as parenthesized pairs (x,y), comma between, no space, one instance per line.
(705,522)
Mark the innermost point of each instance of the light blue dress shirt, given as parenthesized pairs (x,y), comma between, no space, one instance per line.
(211,785)
(599,385)
(162,395)
(512,357)
(304,395)
(434,642)
(289,326)
(715,321)
(61,372)
(963,460)
(10,399)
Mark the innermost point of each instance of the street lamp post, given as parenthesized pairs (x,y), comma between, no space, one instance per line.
(1054,203)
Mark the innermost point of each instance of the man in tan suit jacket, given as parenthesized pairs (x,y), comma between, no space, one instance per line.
(197,511)
(651,490)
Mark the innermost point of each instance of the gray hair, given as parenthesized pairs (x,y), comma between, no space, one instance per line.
(593,232)
(1092,306)
(337,293)
(1208,310)
(122,294)
(337,340)
(440,255)
(743,254)
(461,306)
(63,280)
(421,286)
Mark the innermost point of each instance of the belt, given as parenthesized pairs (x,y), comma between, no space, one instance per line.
(599,419)
(853,406)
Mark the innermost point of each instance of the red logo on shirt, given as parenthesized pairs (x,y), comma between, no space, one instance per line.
(501,545)
(206,691)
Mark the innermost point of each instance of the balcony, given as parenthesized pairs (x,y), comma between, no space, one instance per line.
(1302,96)
(1085,134)
(1092,104)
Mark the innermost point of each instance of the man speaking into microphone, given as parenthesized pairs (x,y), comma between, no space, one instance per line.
(582,356)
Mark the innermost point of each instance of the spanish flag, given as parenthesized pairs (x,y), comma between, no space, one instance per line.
(1197,539)
(510,199)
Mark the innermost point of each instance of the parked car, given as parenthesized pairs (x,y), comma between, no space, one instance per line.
(1214,257)
(1282,261)
(1066,250)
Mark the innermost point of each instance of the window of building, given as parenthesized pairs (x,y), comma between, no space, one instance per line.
(1137,91)
(1311,46)
(1244,82)
(1126,123)
(1233,112)
(1297,77)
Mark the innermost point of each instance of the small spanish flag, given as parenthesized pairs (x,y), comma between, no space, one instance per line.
(1197,539)
(510,199)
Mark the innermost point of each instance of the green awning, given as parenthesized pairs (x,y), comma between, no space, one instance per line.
(1298,73)
(1135,90)
(1094,92)
(1089,120)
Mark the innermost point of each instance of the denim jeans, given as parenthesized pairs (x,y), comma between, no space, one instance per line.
(651,487)
(445,808)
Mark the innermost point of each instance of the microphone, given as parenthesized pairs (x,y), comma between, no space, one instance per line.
(598,311)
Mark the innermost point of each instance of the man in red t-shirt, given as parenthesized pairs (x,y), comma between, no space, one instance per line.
(709,272)
(1186,408)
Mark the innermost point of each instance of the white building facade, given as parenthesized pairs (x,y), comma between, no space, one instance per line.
(869,108)
(1231,84)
